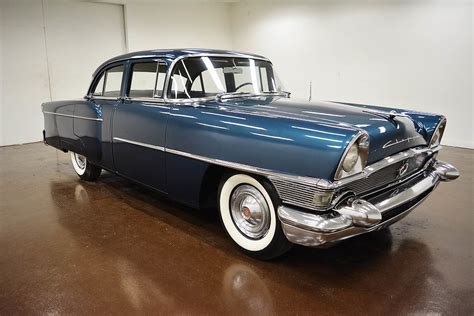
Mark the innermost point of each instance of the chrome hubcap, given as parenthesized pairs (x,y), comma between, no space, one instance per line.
(80,160)
(250,211)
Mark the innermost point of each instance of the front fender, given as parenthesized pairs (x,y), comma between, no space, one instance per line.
(285,145)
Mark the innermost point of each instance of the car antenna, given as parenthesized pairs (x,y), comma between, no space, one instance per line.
(310,91)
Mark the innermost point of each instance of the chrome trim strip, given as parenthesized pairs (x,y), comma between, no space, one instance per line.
(319,183)
(247,168)
(160,148)
(228,164)
(74,116)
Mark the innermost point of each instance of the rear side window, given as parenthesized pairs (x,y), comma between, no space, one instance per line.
(147,79)
(110,83)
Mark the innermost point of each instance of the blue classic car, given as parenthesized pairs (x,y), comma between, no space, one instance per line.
(213,128)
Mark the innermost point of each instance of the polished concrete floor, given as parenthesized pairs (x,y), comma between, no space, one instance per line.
(68,246)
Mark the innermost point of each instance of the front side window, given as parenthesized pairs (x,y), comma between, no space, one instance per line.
(110,82)
(198,77)
(147,79)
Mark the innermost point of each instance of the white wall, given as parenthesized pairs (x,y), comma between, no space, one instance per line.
(49,50)
(23,76)
(178,25)
(416,55)
(413,54)
(79,37)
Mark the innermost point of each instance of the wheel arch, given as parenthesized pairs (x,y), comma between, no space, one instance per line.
(213,177)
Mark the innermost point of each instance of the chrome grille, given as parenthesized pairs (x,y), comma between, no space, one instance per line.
(303,194)
(387,175)
(298,194)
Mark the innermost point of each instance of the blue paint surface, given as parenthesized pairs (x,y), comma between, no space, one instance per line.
(281,134)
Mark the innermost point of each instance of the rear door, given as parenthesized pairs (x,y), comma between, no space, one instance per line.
(93,117)
(139,124)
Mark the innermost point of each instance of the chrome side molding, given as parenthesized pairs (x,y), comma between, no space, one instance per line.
(74,116)
(123,140)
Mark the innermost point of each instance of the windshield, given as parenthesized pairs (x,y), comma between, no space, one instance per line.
(201,77)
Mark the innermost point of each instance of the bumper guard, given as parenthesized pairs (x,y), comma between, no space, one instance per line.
(360,216)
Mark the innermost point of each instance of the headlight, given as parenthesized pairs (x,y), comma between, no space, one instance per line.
(351,158)
(438,134)
(355,157)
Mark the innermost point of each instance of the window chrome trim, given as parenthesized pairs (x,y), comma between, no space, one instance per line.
(75,116)
(146,99)
(123,140)
(179,58)
(164,59)
(97,75)
(159,61)
(99,97)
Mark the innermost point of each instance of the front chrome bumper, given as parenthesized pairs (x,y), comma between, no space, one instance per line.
(360,216)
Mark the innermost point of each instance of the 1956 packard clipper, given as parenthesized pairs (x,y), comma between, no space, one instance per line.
(215,128)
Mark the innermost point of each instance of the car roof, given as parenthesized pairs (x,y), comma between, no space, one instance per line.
(175,53)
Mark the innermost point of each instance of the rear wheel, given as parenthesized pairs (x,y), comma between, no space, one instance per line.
(248,212)
(84,169)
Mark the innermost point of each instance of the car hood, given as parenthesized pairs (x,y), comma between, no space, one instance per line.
(387,134)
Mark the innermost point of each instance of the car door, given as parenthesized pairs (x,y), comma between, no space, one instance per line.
(96,134)
(139,124)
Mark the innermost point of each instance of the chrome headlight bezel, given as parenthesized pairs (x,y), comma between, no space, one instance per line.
(438,133)
(361,142)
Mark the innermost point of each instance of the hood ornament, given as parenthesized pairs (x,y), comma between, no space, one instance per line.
(388,115)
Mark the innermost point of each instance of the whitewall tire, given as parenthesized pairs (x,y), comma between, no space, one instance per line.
(84,169)
(247,209)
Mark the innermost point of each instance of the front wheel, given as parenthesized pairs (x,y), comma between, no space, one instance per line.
(247,210)
(84,169)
